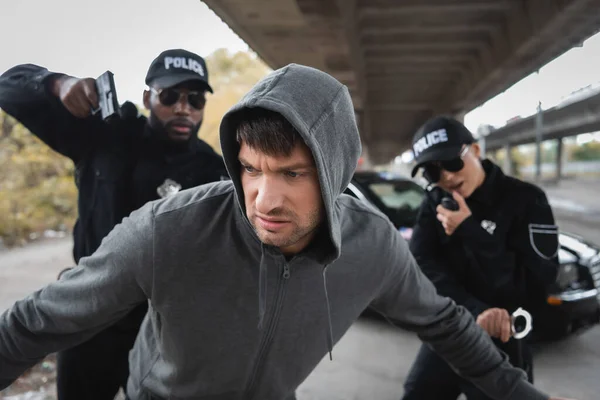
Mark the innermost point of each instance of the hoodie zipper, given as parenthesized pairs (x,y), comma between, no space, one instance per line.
(268,337)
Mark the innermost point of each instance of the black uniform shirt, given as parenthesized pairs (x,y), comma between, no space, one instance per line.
(504,255)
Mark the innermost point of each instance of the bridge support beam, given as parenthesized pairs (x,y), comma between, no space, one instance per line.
(508,159)
(559,158)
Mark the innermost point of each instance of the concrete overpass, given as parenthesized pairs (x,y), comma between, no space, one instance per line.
(407,60)
(572,119)
(575,117)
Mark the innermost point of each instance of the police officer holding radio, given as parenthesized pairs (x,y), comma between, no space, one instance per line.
(120,165)
(486,240)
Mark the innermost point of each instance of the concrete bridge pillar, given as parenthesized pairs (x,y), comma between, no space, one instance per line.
(508,159)
(559,158)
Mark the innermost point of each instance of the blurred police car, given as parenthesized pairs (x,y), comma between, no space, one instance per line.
(573,300)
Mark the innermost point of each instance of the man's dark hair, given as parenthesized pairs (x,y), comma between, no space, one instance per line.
(268,132)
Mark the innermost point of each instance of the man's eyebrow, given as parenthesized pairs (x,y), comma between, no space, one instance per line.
(298,165)
(242,161)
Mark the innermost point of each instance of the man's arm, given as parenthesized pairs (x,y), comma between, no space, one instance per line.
(408,299)
(426,248)
(102,289)
(32,95)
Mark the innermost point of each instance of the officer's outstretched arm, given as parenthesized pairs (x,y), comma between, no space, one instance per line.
(26,94)
(102,289)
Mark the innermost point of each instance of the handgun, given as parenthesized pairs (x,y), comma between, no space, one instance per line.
(108,105)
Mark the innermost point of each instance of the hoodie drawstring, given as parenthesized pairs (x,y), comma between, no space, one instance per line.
(262,287)
(329,328)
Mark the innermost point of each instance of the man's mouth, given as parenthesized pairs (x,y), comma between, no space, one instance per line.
(181,128)
(456,186)
(271,223)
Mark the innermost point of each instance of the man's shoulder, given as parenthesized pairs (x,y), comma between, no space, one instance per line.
(361,214)
(206,197)
(520,190)
(205,148)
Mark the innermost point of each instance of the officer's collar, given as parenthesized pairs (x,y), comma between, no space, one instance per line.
(485,193)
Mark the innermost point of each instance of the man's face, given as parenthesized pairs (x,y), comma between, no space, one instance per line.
(282,196)
(179,109)
(469,178)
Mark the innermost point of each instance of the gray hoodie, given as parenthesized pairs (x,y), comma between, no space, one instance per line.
(230,317)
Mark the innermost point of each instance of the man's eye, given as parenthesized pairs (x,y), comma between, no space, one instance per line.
(249,169)
(292,174)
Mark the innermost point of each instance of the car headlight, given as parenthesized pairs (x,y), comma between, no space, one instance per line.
(567,275)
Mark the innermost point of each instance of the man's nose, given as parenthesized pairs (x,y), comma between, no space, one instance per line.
(446,176)
(270,195)
(182,107)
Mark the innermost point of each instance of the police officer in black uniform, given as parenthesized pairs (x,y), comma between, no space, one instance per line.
(484,239)
(119,166)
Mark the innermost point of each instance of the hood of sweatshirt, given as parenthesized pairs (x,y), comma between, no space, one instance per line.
(321,110)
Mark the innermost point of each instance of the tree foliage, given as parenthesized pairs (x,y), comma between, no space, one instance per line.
(36,185)
(231,76)
(587,152)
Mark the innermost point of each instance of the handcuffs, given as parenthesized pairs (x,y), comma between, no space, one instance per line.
(520,312)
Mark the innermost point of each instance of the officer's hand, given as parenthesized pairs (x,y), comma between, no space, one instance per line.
(496,322)
(79,96)
(452,219)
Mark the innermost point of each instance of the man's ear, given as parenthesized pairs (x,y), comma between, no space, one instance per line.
(147,95)
(476,149)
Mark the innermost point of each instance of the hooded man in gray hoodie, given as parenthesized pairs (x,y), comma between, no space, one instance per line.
(250,282)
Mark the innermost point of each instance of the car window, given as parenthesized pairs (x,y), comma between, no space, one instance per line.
(398,195)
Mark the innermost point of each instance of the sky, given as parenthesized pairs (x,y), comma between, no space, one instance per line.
(83,38)
(573,70)
(86,38)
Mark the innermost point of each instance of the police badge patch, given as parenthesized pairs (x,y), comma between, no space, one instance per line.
(489,226)
(544,240)
(168,188)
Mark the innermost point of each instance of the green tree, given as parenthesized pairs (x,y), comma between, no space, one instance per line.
(586,152)
(37,190)
(231,76)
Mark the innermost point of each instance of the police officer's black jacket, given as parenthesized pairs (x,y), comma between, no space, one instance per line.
(119,166)
(504,255)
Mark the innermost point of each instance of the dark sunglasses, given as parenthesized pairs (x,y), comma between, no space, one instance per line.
(170,96)
(433,171)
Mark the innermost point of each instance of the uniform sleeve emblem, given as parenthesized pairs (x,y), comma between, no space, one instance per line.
(544,240)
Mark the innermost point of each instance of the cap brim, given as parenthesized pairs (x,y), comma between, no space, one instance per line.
(174,80)
(441,154)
